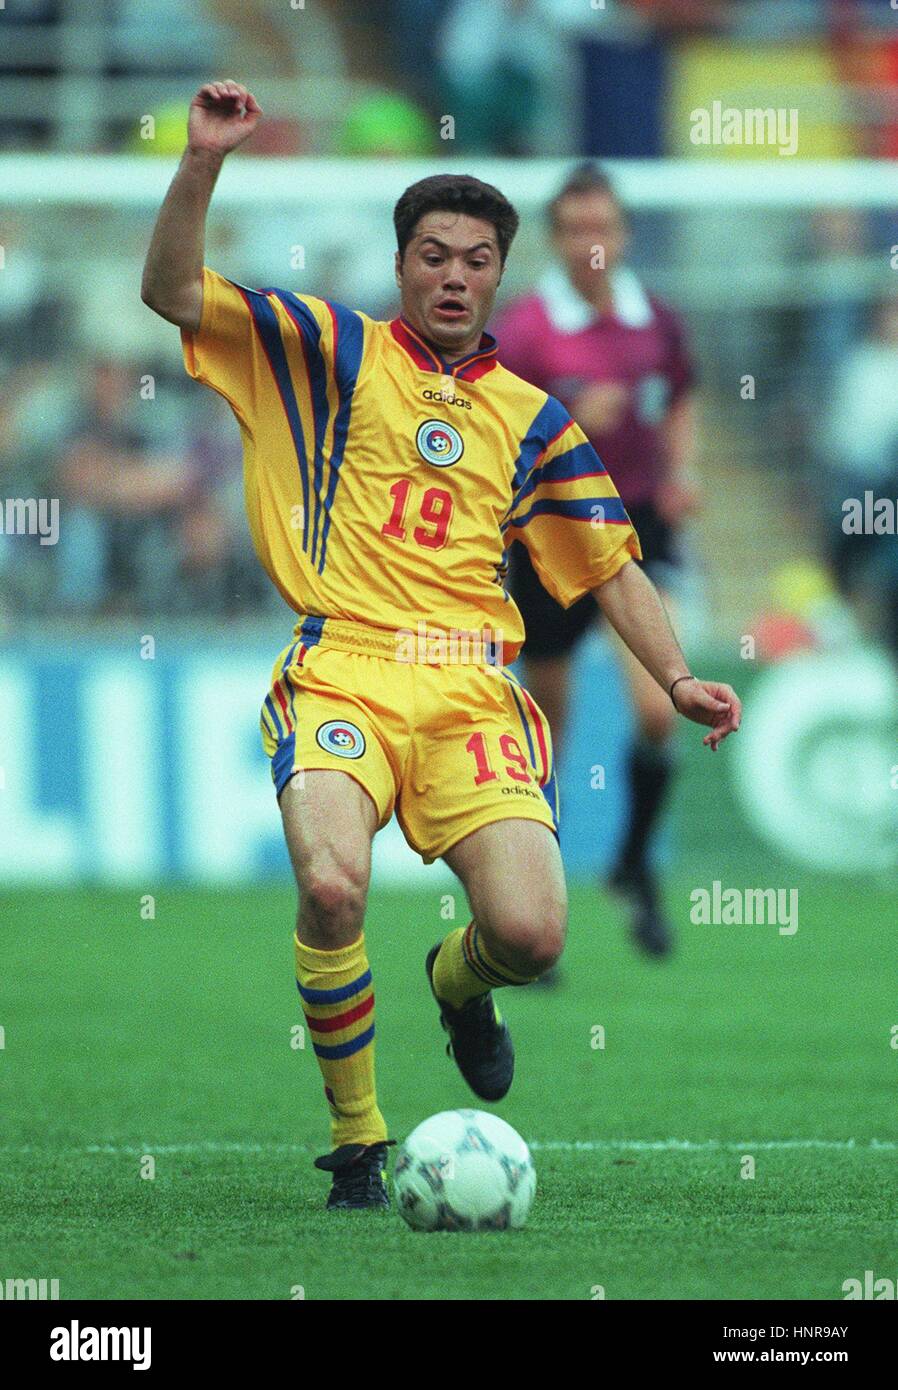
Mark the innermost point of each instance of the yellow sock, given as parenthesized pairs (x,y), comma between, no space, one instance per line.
(338,1002)
(465,968)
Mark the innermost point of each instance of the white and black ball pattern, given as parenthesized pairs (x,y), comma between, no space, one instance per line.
(464,1170)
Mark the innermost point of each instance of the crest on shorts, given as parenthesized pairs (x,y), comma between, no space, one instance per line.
(342,738)
(439,443)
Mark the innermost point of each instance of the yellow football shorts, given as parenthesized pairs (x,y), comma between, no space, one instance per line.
(449,745)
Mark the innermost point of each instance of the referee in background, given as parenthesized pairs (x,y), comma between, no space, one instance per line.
(616,356)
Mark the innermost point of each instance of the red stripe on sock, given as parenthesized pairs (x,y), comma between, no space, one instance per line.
(333,1025)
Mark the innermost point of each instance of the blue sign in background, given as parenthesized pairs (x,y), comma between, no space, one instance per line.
(115,765)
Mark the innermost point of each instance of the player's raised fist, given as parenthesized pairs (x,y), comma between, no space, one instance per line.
(222,116)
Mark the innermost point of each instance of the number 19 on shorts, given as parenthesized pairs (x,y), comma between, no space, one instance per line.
(516,765)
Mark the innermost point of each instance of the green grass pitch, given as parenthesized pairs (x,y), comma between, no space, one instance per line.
(172,1038)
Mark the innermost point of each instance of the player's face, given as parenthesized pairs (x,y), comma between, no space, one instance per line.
(585,222)
(448,279)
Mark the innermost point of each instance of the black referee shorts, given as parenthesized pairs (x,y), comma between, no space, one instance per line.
(553,631)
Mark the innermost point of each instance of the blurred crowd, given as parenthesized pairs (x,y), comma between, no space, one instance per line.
(594,77)
(148,478)
(95,411)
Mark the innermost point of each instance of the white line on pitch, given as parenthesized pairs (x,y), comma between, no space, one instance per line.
(224,1146)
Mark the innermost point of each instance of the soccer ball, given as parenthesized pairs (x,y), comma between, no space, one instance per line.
(464,1170)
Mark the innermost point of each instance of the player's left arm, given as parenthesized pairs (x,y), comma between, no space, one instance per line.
(633,607)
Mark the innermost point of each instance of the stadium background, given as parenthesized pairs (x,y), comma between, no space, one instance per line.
(117,786)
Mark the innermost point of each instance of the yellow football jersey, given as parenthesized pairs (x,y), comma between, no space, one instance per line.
(384,485)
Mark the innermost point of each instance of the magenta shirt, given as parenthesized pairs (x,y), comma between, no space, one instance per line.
(556,341)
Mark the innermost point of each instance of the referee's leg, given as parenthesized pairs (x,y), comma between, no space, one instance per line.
(650,773)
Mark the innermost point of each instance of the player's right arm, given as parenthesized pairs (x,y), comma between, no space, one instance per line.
(222,116)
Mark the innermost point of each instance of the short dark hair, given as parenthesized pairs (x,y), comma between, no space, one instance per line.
(585,177)
(455,193)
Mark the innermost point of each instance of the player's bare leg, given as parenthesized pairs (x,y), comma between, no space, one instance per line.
(650,772)
(513,876)
(512,873)
(329,824)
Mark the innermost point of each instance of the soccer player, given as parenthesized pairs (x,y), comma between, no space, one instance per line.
(616,357)
(387,467)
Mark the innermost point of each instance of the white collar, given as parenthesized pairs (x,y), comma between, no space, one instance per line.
(568,312)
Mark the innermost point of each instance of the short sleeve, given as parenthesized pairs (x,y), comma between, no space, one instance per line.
(220,353)
(252,341)
(567,511)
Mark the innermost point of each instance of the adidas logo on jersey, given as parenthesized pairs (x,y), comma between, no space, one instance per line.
(447,400)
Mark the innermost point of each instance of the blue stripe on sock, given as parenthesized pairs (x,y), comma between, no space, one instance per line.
(334,996)
(332,1054)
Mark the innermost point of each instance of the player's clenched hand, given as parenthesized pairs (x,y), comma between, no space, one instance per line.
(222,116)
(709,702)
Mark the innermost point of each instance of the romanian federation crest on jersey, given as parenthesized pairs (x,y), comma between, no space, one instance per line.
(439,443)
(342,738)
